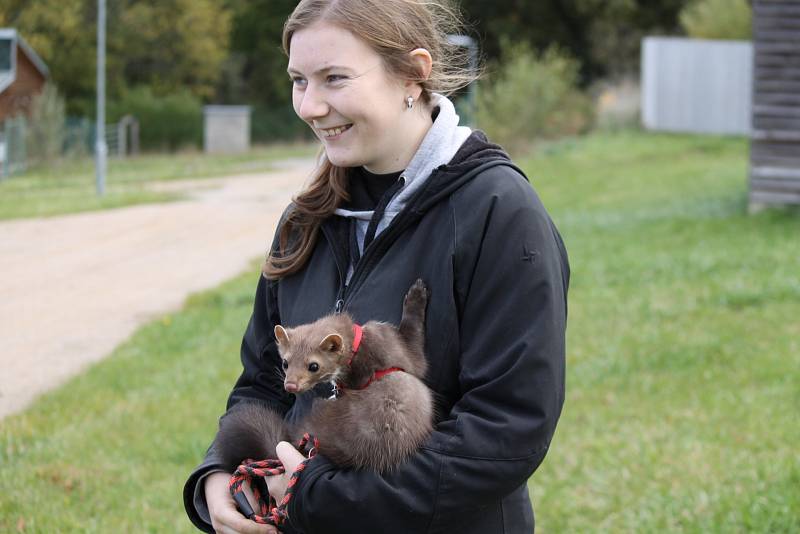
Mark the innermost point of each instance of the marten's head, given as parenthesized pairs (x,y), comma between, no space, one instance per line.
(314,353)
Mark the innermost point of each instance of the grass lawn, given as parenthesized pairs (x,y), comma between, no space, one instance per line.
(70,186)
(683,391)
(683,403)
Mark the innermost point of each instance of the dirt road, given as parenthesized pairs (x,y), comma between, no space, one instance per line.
(73,287)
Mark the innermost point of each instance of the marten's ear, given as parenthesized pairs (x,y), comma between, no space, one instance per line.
(280,335)
(332,343)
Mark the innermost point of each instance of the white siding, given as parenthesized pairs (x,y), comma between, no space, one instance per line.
(226,129)
(695,85)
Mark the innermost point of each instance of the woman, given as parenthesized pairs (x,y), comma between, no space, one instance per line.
(403,192)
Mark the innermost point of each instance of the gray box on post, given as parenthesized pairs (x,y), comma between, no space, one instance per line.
(226,129)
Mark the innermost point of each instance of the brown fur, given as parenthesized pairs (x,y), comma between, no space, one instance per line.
(250,431)
(377,427)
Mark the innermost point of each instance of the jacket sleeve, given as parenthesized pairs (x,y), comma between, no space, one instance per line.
(259,382)
(511,277)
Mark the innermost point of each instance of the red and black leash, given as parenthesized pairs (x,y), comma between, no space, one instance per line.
(270,512)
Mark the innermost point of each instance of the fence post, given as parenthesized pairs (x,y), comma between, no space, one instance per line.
(122,138)
(101,149)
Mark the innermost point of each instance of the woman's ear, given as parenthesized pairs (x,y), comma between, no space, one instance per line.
(424,63)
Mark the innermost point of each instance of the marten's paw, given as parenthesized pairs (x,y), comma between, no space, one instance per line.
(417,296)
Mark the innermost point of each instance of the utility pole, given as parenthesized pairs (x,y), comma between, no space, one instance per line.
(471,45)
(100,147)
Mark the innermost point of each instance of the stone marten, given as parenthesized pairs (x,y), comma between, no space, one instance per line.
(381,412)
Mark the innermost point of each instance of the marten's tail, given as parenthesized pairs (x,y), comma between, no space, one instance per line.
(249,430)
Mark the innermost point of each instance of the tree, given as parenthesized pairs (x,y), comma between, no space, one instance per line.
(604,35)
(62,32)
(718,19)
(256,45)
(167,45)
(256,68)
(171,45)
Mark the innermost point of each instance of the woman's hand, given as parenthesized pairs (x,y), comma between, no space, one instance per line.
(225,517)
(290,458)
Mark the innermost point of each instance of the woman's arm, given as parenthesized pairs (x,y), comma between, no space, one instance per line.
(514,277)
(260,381)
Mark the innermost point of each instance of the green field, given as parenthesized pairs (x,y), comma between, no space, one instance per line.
(70,186)
(683,388)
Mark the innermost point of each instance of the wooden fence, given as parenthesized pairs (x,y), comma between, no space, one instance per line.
(775,140)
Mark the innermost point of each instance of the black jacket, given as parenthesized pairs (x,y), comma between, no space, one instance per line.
(480,238)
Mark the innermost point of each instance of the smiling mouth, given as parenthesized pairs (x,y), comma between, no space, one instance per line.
(334,131)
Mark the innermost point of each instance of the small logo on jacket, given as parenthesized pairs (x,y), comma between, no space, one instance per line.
(529,255)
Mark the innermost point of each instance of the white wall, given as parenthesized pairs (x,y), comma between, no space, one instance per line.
(226,129)
(697,85)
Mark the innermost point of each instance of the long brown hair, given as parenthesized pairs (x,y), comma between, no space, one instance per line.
(392,28)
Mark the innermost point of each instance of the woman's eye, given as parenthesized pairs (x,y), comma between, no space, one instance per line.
(298,82)
(285,365)
(314,367)
(334,78)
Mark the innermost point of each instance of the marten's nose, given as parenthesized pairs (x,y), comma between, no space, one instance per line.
(291,387)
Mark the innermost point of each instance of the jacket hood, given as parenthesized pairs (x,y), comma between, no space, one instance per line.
(448,157)
(442,163)
(444,138)
(477,153)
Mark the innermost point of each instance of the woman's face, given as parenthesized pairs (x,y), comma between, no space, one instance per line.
(342,90)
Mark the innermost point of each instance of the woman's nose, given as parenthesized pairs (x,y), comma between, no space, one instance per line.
(312,105)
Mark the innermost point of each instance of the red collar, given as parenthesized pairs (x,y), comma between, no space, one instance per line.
(358,333)
(377,375)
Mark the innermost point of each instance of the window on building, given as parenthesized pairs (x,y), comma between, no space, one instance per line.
(5,54)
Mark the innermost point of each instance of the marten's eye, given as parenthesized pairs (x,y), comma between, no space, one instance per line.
(313,367)
(285,365)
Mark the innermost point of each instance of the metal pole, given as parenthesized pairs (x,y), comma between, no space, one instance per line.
(472,46)
(100,147)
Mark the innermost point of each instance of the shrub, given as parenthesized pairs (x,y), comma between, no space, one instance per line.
(79,137)
(617,104)
(718,19)
(46,128)
(278,123)
(532,97)
(168,122)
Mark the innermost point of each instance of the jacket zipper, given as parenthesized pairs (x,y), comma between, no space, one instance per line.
(372,254)
(338,306)
(366,264)
(382,242)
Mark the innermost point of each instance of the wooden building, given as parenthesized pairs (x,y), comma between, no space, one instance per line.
(775,137)
(22,74)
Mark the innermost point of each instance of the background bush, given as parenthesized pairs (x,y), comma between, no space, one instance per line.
(718,19)
(166,122)
(278,123)
(532,96)
(46,127)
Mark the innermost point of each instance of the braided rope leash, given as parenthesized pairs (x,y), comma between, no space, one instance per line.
(270,512)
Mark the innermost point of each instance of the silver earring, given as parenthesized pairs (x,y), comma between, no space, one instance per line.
(409,102)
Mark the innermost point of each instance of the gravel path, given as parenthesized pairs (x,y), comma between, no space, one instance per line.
(73,287)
